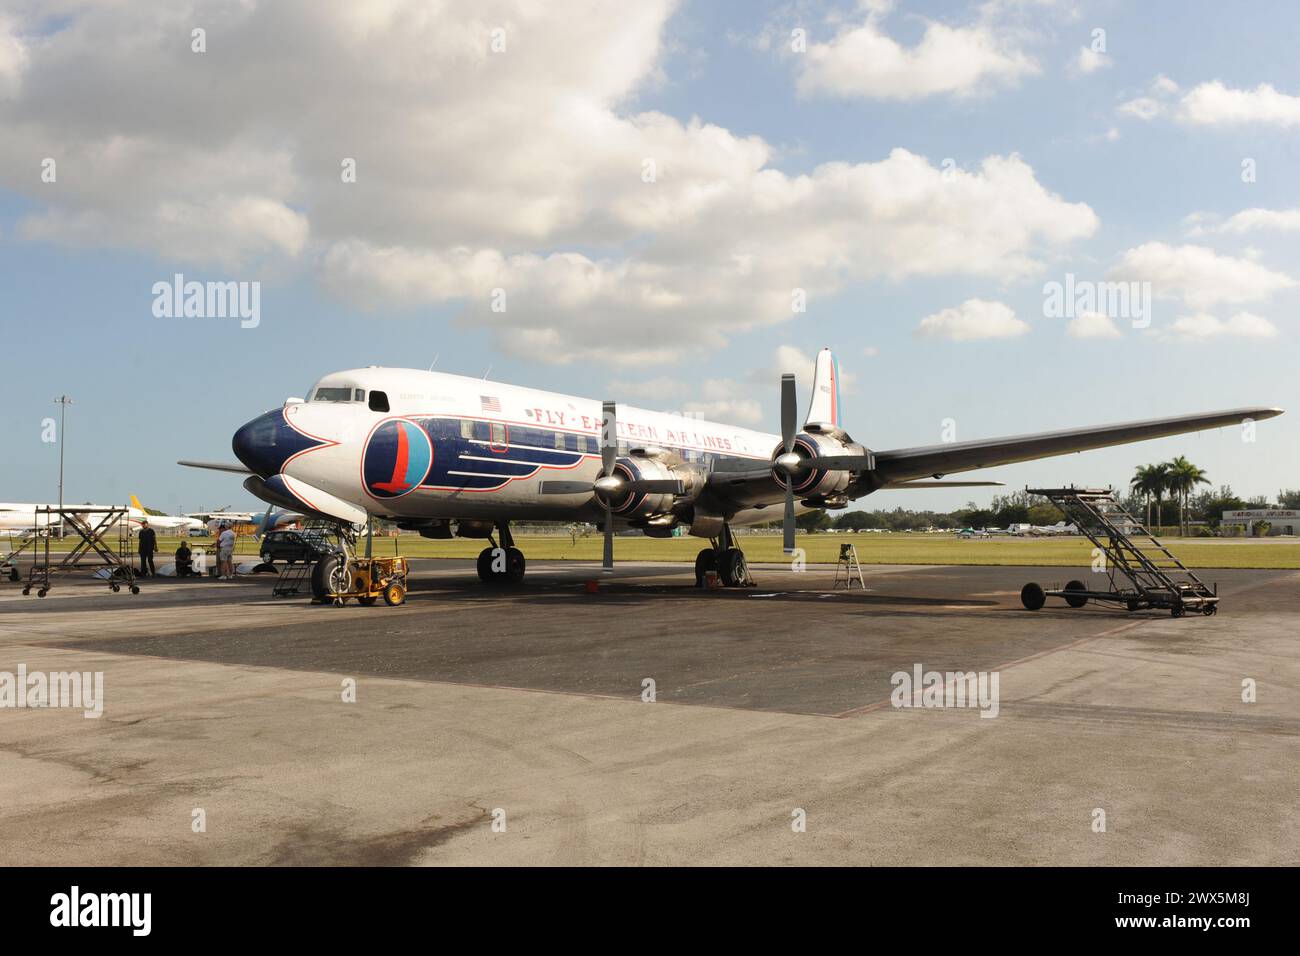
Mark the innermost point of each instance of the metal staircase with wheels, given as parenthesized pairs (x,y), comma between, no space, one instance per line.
(1141,571)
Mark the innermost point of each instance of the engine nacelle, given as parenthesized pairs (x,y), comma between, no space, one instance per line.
(653,468)
(818,483)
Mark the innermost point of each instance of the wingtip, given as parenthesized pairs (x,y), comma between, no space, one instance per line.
(1261,413)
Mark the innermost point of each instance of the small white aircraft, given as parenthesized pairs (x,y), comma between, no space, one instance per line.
(22,517)
(446,454)
(171,524)
(1050,530)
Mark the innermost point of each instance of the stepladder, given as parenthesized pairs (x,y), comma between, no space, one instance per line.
(847,568)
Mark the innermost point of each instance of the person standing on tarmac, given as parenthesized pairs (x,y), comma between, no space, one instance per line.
(147,546)
(226,553)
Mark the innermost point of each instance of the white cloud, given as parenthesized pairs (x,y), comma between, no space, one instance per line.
(1092,325)
(1248,220)
(1144,108)
(717,399)
(477,170)
(1201,326)
(1213,104)
(1164,85)
(1089,60)
(719,404)
(973,319)
(1198,275)
(13,58)
(863,61)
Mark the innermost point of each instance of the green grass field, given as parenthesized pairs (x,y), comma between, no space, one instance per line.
(823,548)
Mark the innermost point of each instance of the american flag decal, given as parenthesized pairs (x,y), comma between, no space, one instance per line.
(490,403)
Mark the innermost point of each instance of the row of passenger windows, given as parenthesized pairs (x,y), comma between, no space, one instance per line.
(497,436)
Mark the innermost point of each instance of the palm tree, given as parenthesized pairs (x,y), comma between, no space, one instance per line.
(1142,484)
(1183,477)
(1153,482)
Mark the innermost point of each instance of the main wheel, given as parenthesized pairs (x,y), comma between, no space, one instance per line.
(1075,600)
(485,566)
(394,594)
(515,565)
(732,567)
(330,571)
(705,561)
(1032,596)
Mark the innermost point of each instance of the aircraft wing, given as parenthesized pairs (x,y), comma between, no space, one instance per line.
(908,464)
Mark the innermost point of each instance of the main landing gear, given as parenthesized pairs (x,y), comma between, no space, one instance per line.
(502,564)
(726,559)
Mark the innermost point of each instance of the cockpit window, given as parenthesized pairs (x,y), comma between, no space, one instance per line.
(378,401)
(358,395)
(332,395)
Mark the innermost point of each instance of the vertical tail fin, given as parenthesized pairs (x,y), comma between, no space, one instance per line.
(135,503)
(825,404)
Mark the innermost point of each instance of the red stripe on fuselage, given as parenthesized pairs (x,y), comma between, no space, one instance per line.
(398,481)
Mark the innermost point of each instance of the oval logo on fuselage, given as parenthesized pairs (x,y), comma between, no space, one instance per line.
(397,458)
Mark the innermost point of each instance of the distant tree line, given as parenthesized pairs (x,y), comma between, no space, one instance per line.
(1174,501)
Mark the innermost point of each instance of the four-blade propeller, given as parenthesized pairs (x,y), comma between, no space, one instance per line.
(611,485)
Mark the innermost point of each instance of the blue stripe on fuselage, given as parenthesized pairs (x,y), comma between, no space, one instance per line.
(528,449)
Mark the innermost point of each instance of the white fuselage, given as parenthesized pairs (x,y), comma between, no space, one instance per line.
(490,446)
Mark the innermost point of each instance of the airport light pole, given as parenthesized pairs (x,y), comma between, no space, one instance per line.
(63,402)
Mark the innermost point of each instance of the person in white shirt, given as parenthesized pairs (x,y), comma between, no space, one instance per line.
(226,553)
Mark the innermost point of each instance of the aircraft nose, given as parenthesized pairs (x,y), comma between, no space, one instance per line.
(257,444)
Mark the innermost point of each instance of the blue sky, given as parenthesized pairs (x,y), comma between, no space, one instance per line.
(1154,134)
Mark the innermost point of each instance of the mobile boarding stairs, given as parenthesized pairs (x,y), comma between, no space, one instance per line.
(1141,572)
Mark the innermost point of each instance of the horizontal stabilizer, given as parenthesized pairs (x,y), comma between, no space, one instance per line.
(944,484)
(216,466)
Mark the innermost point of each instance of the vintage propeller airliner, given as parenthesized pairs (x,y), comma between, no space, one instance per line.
(449,455)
